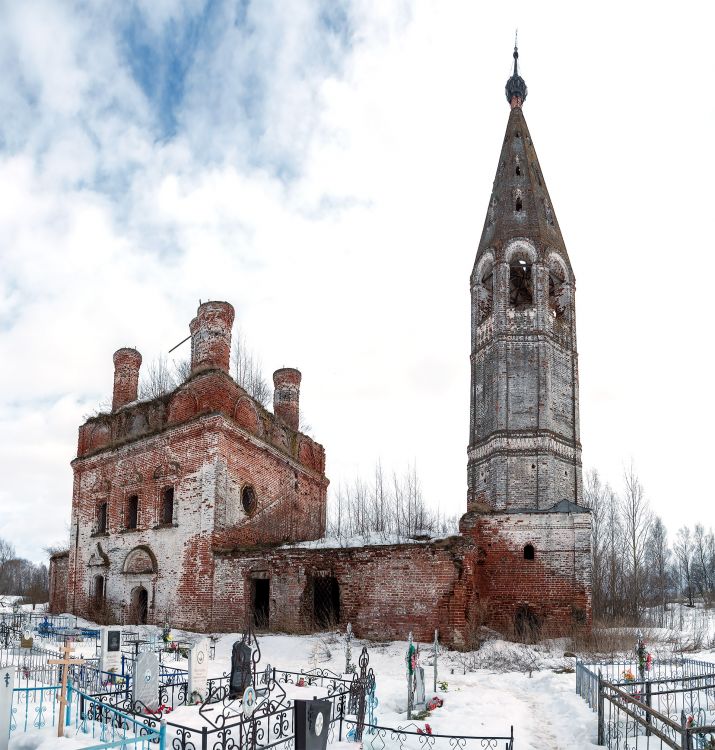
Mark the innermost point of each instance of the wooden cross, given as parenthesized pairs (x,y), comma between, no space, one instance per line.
(65,662)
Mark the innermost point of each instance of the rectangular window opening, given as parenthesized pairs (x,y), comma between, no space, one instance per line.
(132,512)
(167,506)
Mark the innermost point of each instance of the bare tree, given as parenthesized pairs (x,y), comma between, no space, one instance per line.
(157,379)
(595,498)
(657,557)
(702,574)
(614,554)
(248,373)
(182,370)
(637,519)
(7,553)
(390,510)
(684,554)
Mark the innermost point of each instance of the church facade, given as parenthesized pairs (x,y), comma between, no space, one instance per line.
(194,506)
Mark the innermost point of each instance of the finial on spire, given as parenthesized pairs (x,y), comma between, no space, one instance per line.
(516,86)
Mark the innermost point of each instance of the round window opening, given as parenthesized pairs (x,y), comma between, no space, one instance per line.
(248,499)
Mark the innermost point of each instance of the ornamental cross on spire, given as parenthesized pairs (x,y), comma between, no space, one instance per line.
(516,86)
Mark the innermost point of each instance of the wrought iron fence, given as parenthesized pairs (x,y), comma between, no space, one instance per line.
(272,727)
(31,664)
(31,620)
(625,671)
(412,737)
(627,720)
(673,706)
(665,668)
(113,727)
(332,681)
(33,708)
(37,708)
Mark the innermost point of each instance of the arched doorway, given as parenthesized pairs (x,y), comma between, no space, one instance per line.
(140,605)
(98,591)
(526,624)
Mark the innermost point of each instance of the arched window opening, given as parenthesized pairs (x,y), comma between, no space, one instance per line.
(517,134)
(518,204)
(132,512)
(167,506)
(98,591)
(521,293)
(557,293)
(102,518)
(529,552)
(518,171)
(248,499)
(485,292)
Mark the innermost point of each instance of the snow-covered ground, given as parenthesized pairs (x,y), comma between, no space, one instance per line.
(543,708)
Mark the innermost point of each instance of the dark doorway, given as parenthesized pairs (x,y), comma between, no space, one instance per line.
(326,602)
(526,624)
(140,605)
(261,602)
(98,591)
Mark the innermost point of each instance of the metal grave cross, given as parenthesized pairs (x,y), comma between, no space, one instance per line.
(66,662)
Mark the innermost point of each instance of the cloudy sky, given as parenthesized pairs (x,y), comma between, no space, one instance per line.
(326,167)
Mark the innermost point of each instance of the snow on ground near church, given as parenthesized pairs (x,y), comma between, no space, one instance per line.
(373,539)
(47,739)
(544,709)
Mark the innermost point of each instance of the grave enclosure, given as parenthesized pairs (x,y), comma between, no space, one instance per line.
(669,705)
(133,707)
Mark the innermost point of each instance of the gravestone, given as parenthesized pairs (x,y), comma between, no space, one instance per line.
(420,701)
(199,668)
(241,664)
(111,650)
(311,722)
(145,685)
(26,639)
(7,683)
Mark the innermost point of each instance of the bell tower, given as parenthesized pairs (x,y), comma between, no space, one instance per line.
(524,445)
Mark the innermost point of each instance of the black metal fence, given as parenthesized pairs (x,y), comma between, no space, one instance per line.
(670,706)
(412,737)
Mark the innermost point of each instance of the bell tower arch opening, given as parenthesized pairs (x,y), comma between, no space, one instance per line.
(484,290)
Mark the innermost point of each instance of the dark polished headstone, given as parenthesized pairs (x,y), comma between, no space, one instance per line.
(311,722)
(241,675)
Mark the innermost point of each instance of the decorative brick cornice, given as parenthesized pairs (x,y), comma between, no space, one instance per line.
(507,443)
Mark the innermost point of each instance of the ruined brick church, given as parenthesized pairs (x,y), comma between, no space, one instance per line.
(191,506)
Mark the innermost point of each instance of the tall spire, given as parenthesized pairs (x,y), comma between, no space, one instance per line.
(516,86)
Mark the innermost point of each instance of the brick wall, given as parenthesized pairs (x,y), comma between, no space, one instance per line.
(208,460)
(555,585)
(385,591)
(59,564)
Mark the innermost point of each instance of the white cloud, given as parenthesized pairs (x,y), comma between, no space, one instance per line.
(330,178)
